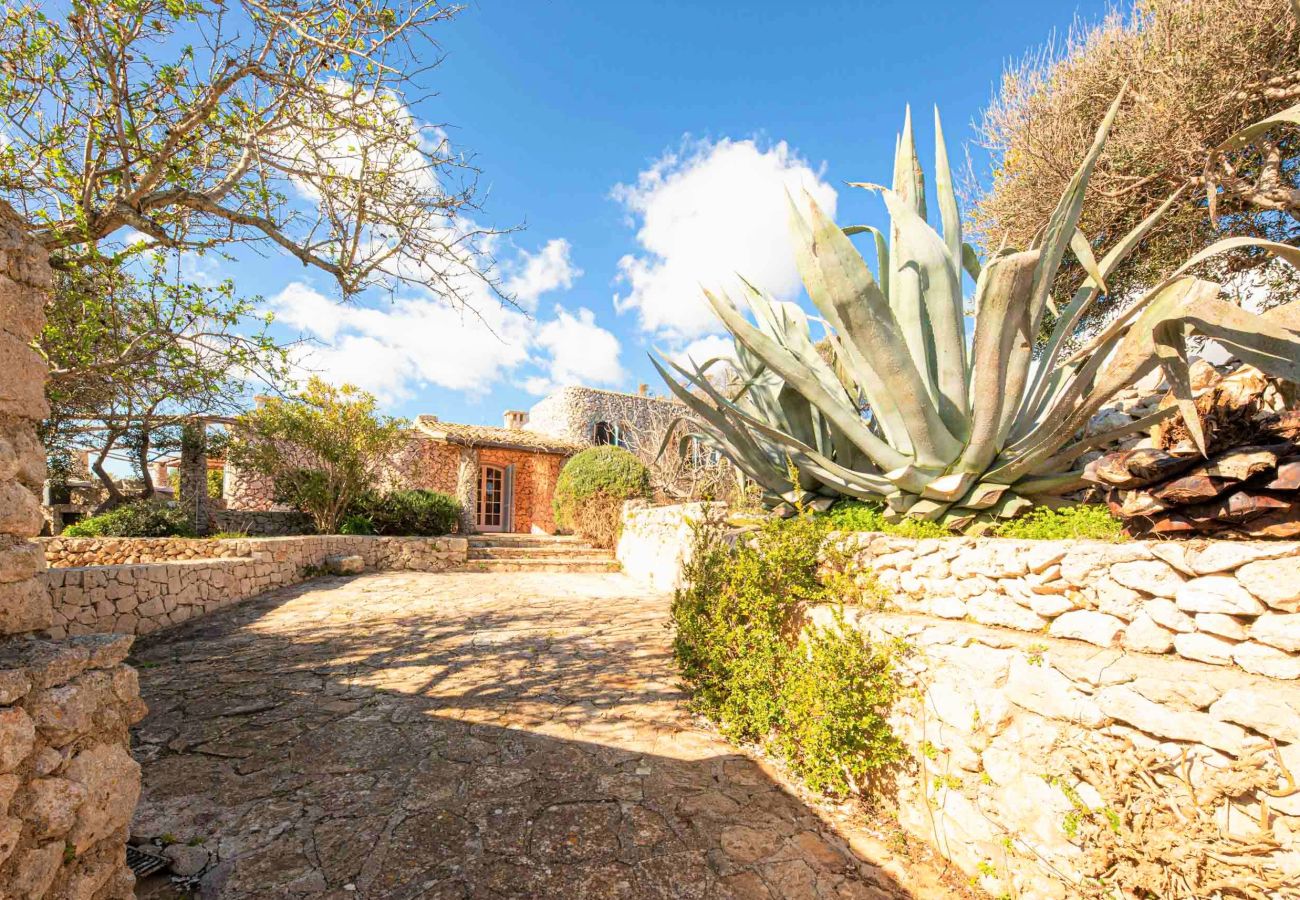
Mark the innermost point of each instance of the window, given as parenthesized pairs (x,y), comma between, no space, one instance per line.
(604,435)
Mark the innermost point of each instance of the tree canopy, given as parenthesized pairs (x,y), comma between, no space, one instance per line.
(1198,71)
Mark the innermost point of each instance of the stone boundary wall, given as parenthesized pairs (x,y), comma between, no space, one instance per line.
(68,785)
(1225,603)
(172,585)
(654,541)
(1027,656)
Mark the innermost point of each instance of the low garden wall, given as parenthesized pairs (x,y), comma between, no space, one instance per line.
(138,585)
(1057,684)
(654,541)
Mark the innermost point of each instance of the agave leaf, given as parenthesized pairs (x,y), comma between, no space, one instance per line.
(841,287)
(970,261)
(983,495)
(930,295)
(909,180)
(1170,337)
(1083,253)
(1101,439)
(949,214)
(1053,484)
(948,487)
(1003,294)
(882,252)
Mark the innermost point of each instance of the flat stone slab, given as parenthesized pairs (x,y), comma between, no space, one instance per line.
(405,735)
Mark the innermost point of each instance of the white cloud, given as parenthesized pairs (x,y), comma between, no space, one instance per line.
(707,214)
(701,350)
(549,269)
(580,352)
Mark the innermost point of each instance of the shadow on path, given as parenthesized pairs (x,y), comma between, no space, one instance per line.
(413,735)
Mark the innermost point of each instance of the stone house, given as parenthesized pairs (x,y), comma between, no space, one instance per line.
(504,476)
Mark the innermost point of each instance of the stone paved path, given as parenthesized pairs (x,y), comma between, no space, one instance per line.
(410,735)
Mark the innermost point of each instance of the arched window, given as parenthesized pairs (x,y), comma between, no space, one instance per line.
(604,434)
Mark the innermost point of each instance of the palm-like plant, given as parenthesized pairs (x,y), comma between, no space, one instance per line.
(953,430)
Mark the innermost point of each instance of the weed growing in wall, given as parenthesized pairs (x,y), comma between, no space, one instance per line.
(819,697)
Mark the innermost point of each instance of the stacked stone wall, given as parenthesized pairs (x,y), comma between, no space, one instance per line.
(1044,676)
(168,583)
(654,541)
(68,784)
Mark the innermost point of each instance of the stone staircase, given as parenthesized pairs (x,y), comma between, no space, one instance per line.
(535,553)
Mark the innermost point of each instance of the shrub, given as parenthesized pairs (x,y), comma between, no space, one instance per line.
(820,699)
(856,515)
(1088,521)
(592,488)
(409,512)
(142,518)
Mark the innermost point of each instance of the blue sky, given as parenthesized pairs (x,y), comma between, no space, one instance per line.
(645,148)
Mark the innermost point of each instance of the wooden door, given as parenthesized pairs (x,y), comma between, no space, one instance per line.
(492,510)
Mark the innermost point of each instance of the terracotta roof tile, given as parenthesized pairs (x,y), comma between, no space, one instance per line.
(494,436)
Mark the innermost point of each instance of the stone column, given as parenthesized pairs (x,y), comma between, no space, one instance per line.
(467,488)
(194,475)
(68,786)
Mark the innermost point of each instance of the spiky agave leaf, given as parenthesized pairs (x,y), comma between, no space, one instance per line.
(948,437)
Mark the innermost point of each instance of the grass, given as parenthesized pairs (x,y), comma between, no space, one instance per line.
(1086,521)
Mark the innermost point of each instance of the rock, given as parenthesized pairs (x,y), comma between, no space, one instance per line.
(1260,659)
(1275,581)
(64,713)
(1085,625)
(1275,714)
(1281,630)
(1044,690)
(51,806)
(1127,705)
(1118,600)
(1165,614)
(1223,556)
(1206,648)
(187,861)
(1152,576)
(1084,562)
(1183,693)
(11,829)
(345,565)
(110,780)
(17,737)
(1145,636)
(992,609)
(1217,593)
(946,607)
(36,870)
(1049,606)
(1221,624)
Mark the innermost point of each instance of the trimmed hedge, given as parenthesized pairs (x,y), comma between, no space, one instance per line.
(592,488)
(140,518)
(411,513)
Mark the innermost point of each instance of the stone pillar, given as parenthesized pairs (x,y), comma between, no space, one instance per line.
(68,785)
(467,488)
(194,475)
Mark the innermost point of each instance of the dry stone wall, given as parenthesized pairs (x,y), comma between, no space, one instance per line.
(152,583)
(1055,683)
(68,784)
(1224,603)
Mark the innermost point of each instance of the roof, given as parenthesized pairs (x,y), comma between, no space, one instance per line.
(494,436)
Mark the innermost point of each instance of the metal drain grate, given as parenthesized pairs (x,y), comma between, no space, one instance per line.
(143,863)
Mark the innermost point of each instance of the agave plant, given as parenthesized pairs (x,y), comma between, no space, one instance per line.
(905,409)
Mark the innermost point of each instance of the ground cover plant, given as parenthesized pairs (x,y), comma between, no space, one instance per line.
(140,518)
(818,698)
(1086,521)
(951,434)
(591,491)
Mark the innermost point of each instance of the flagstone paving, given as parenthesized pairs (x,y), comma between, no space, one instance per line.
(408,735)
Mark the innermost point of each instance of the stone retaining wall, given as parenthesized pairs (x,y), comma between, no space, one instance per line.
(1032,660)
(1225,603)
(68,784)
(161,581)
(654,541)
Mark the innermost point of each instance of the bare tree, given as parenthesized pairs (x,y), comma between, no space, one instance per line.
(1198,70)
(682,467)
(282,123)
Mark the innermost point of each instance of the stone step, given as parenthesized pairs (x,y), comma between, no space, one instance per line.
(543,564)
(503,551)
(523,539)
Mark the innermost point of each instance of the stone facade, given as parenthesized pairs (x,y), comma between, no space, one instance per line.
(1029,660)
(572,413)
(139,585)
(68,784)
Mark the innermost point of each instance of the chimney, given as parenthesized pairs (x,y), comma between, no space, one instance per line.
(516,419)
(643,390)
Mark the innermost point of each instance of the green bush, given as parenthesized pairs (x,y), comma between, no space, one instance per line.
(856,515)
(418,513)
(141,518)
(1089,521)
(592,488)
(819,698)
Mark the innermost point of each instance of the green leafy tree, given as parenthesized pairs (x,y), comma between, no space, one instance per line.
(323,449)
